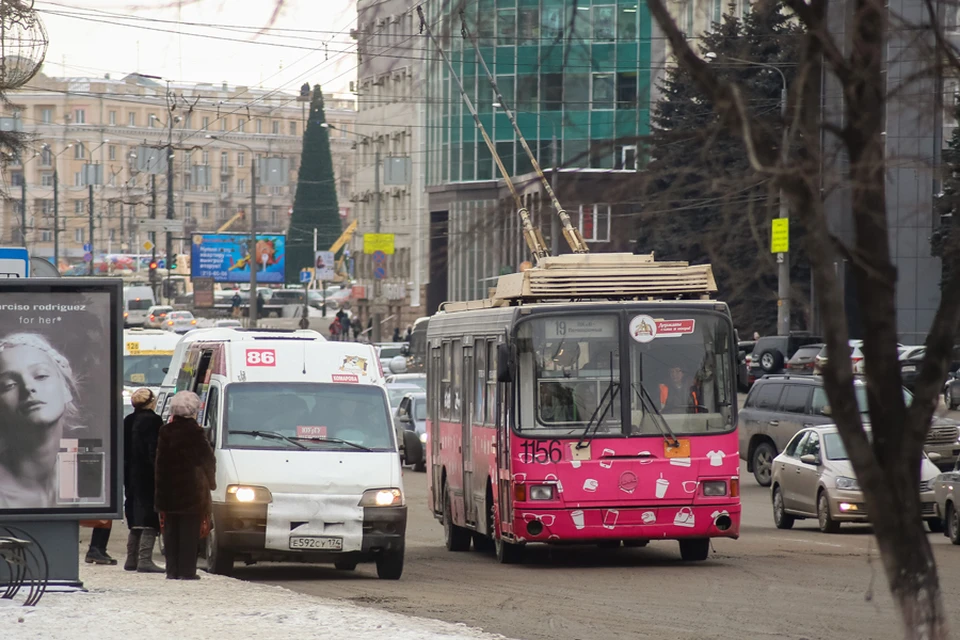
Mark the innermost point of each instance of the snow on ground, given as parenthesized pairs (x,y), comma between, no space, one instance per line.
(119,605)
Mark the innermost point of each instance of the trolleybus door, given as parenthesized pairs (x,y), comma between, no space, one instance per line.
(504,472)
(466,415)
(434,399)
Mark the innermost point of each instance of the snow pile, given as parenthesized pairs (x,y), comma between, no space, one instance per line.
(120,605)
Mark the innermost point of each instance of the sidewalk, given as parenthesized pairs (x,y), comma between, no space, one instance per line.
(120,605)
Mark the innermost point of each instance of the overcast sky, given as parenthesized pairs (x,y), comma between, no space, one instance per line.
(95,37)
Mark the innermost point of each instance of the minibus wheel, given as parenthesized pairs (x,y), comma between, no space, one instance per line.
(219,560)
(390,565)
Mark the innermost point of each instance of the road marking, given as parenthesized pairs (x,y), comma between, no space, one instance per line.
(802,541)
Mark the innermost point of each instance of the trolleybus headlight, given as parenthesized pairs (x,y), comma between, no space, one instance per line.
(714,488)
(243,493)
(541,492)
(423,438)
(382,498)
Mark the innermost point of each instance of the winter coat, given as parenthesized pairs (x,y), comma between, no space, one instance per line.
(140,458)
(186,469)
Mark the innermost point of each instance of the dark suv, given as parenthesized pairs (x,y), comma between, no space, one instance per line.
(781,405)
(771,353)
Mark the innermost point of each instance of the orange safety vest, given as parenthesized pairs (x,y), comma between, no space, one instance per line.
(665,394)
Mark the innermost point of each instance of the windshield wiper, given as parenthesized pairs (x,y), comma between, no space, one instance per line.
(271,434)
(646,402)
(612,389)
(337,440)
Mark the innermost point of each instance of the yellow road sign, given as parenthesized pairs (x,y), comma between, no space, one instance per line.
(373,242)
(147,246)
(780,235)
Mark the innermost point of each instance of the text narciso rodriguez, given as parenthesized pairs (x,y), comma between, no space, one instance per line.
(60,308)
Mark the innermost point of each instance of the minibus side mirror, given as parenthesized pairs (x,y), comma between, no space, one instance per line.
(506,362)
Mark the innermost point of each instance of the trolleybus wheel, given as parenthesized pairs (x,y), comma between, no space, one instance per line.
(456,538)
(695,549)
(507,552)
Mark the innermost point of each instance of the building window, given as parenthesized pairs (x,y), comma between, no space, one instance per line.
(112,118)
(205,211)
(506,27)
(604,23)
(46,179)
(187,211)
(151,119)
(222,213)
(627,90)
(112,152)
(293,127)
(16,178)
(78,180)
(551,92)
(79,116)
(603,91)
(205,158)
(46,157)
(627,24)
(205,123)
(223,124)
(46,115)
(225,185)
(78,206)
(529,26)
(78,235)
(79,151)
(224,161)
(276,127)
(595,222)
(46,236)
(241,159)
(259,126)
(113,235)
(132,119)
(241,186)
(717,11)
(46,207)
(273,216)
(241,125)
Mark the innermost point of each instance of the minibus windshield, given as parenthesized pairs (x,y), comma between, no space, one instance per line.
(318,416)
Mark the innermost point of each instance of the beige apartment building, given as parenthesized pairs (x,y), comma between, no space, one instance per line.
(216,132)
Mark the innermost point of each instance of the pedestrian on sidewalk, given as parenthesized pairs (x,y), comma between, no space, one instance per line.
(396,334)
(185,476)
(99,537)
(235,304)
(141,430)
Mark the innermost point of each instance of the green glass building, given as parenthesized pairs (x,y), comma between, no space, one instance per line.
(575,72)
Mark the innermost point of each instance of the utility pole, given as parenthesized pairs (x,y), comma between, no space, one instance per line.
(253,241)
(783,259)
(23,208)
(170,203)
(377,285)
(56,219)
(153,234)
(90,196)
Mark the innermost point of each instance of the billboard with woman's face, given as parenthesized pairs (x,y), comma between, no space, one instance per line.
(60,349)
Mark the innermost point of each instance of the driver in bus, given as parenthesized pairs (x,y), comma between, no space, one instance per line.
(682,394)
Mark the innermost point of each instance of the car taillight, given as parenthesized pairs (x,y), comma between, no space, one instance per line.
(170,322)
(193,322)
(152,318)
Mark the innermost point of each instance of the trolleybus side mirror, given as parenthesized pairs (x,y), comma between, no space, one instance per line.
(506,362)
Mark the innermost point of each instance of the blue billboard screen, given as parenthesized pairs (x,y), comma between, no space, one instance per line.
(225,257)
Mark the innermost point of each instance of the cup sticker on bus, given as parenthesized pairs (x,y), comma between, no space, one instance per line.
(139,378)
(644,328)
(356,364)
(311,432)
(345,377)
(261,358)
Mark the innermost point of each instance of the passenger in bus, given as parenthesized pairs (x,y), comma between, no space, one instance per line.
(682,394)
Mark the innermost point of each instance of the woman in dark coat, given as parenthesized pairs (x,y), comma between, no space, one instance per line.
(141,430)
(186,473)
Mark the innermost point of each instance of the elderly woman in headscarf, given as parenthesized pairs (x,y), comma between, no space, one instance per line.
(185,476)
(141,429)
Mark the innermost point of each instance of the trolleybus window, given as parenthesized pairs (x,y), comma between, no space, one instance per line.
(680,368)
(570,366)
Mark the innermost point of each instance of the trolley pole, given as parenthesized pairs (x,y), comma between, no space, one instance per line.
(377,288)
(253,241)
(92,247)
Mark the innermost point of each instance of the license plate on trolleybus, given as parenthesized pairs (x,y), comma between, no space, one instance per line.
(320,543)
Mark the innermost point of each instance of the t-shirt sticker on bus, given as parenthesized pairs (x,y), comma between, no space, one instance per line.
(644,328)
(345,377)
(311,432)
(355,364)
(261,358)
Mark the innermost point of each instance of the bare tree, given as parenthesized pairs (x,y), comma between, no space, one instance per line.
(888,464)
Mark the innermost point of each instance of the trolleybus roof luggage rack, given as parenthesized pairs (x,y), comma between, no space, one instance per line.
(598,276)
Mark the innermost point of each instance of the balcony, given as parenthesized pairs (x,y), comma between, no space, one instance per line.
(226,171)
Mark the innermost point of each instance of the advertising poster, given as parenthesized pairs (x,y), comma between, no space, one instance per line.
(59,397)
(225,257)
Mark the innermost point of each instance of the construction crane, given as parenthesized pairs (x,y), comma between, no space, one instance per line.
(229,223)
(339,244)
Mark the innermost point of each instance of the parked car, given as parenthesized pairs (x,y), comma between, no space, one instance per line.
(951,390)
(813,478)
(410,448)
(802,362)
(412,415)
(779,406)
(156,316)
(181,321)
(910,366)
(419,379)
(228,323)
(908,351)
(389,350)
(946,490)
(744,350)
(771,353)
(856,357)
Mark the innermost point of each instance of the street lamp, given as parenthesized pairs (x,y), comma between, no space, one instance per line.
(253,227)
(376,221)
(783,259)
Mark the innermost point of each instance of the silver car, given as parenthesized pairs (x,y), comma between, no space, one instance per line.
(181,321)
(946,489)
(813,478)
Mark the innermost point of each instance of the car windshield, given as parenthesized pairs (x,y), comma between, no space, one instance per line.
(834,445)
(396,392)
(181,315)
(861,392)
(146,371)
(807,352)
(391,351)
(570,374)
(419,381)
(159,310)
(318,416)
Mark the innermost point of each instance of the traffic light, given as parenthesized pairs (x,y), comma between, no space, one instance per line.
(173,262)
(153,268)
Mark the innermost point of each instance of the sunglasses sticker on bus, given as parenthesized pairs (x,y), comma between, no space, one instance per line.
(354,364)
(643,328)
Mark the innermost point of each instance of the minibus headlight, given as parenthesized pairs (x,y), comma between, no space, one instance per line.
(248,494)
(423,438)
(715,488)
(382,498)
(541,492)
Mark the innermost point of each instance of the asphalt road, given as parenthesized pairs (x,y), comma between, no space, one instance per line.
(768,584)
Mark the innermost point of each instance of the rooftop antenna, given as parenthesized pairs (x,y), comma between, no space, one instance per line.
(531,234)
(572,234)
